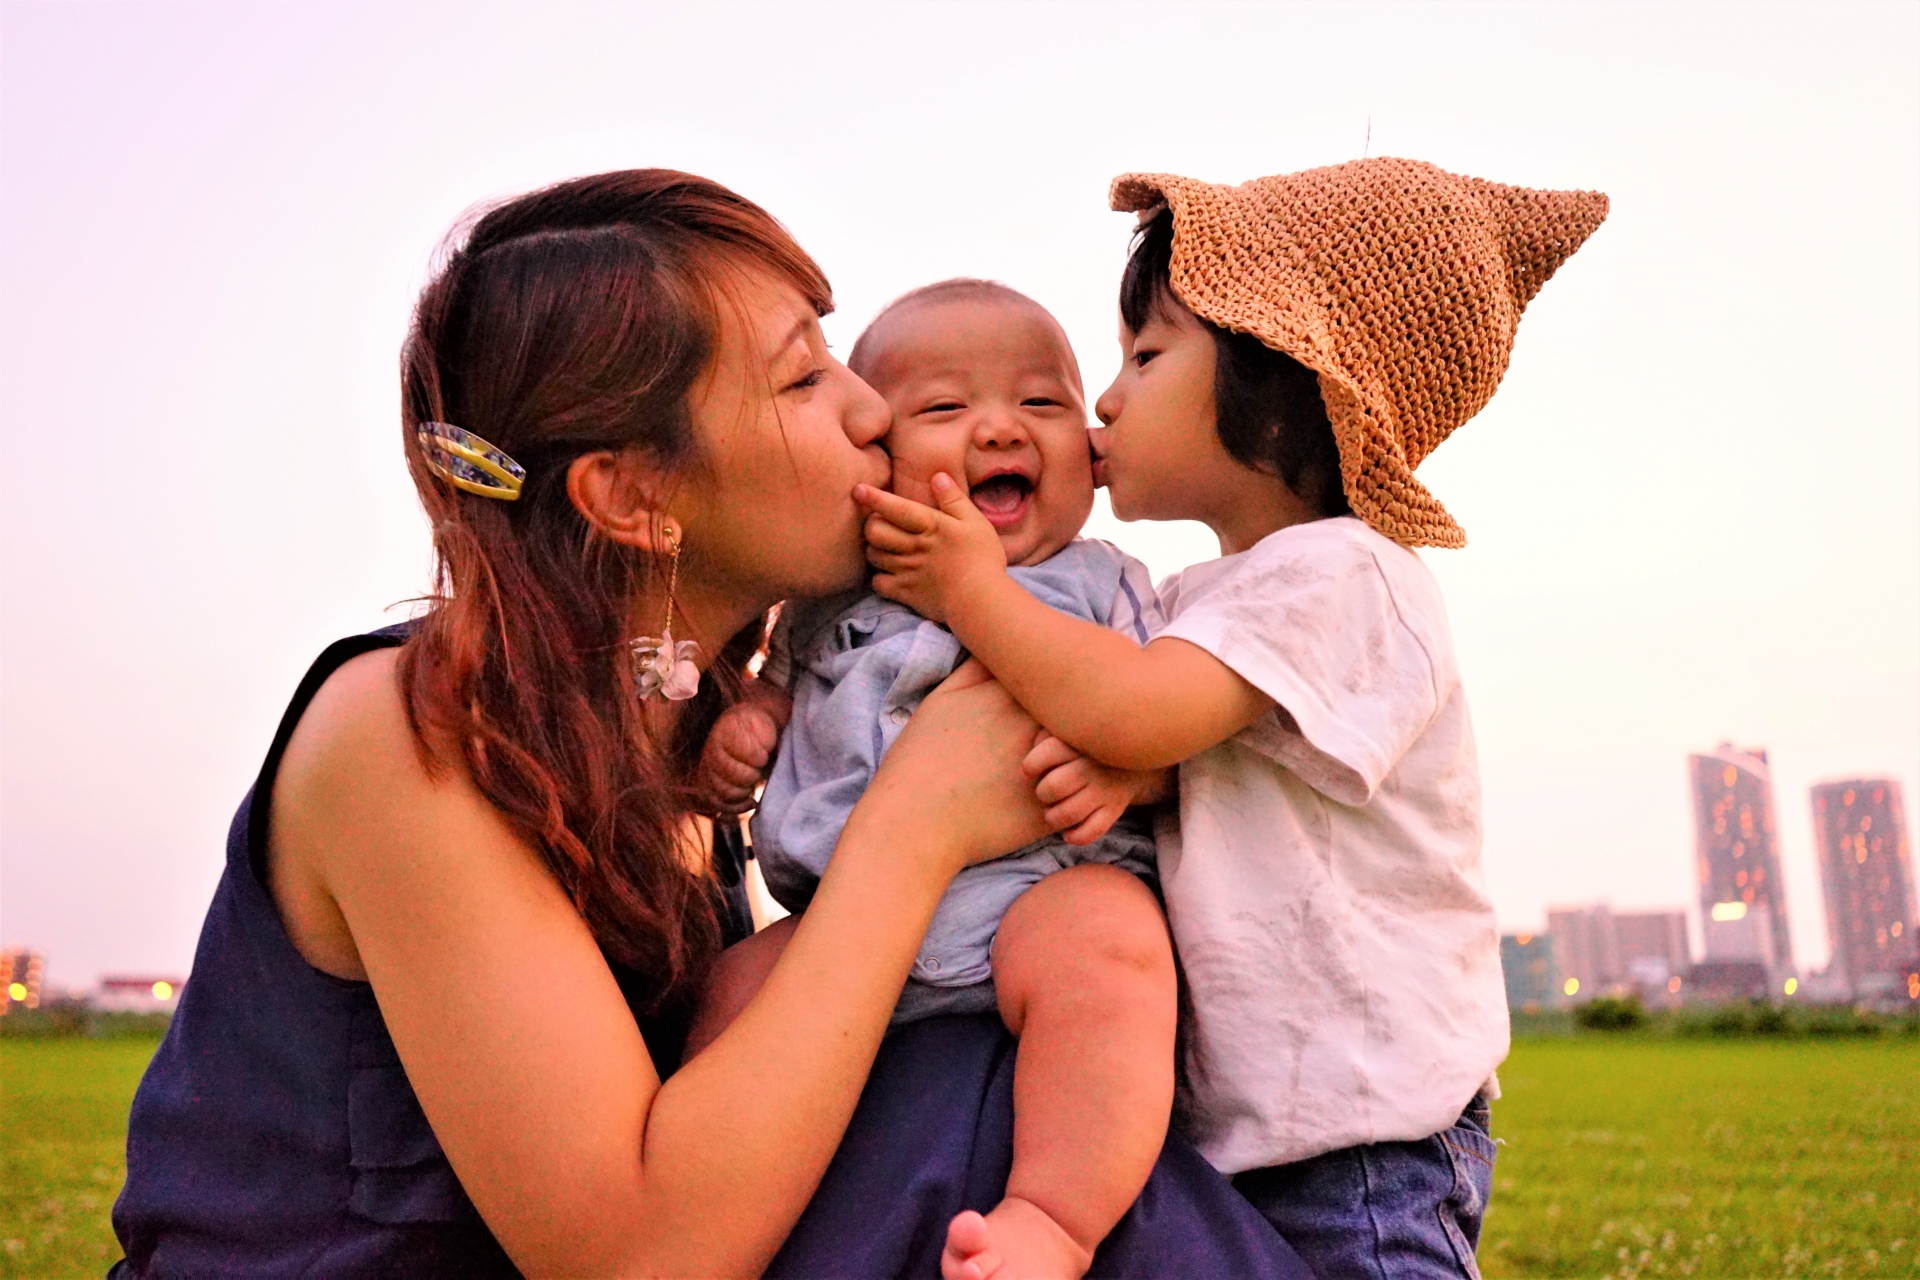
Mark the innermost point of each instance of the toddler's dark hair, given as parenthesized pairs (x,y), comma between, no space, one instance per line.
(1268,409)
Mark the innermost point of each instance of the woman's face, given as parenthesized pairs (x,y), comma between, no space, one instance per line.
(786,431)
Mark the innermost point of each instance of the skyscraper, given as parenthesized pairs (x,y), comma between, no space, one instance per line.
(1738,858)
(1866,868)
(1533,983)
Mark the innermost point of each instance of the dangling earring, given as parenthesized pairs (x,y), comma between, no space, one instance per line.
(659,665)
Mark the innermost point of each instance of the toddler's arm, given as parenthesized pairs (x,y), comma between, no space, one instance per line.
(1124,705)
(1084,798)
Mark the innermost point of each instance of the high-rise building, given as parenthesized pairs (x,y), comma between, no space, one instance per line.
(1652,945)
(1738,856)
(1584,950)
(1599,951)
(1866,868)
(1533,981)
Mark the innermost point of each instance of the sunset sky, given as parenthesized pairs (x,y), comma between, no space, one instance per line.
(1694,507)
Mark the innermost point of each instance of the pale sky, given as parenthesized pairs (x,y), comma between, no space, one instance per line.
(1694,507)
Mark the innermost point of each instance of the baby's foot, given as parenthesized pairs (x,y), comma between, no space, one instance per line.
(1017,1241)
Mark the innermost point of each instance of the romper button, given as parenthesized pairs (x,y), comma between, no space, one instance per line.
(900,715)
(930,963)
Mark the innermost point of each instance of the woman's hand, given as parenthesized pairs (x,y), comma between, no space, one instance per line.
(954,774)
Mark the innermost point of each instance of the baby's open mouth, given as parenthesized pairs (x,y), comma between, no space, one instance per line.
(1003,499)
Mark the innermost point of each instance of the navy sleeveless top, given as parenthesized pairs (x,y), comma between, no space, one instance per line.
(275,1132)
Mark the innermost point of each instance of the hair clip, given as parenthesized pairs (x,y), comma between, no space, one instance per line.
(467,462)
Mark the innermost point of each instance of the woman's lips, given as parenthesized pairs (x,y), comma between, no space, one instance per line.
(1003,499)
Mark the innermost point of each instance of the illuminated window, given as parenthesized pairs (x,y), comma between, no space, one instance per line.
(1673,985)
(16,991)
(1895,928)
(163,991)
(1793,985)
(1523,939)
(1573,986)
(1731,776)
(1847,799)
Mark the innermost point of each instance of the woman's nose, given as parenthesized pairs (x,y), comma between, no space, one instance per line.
(868,414)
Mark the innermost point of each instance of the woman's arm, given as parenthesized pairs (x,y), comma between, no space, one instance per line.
(515,1036)
(1125,705)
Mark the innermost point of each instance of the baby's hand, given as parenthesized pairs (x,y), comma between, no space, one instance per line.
(738,751)
(929,557)
(1084,798)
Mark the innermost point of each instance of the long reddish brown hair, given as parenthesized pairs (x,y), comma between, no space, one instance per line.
(572,320)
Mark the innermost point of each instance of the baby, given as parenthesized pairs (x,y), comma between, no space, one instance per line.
(1063,937)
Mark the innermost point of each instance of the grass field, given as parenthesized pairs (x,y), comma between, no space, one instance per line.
(1623,1156)
(63,1133)
(1646,1157)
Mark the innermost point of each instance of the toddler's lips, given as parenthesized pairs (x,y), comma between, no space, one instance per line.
(1003,499)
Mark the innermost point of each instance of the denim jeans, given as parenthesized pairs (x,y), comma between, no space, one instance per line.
(1386,1211)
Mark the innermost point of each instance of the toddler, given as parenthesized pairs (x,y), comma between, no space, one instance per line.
(1062,937)
(1292,349)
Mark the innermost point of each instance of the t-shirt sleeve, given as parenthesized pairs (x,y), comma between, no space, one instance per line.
(1316,628)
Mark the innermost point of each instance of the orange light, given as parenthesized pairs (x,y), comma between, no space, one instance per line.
(163,991)
(1573,986)
(16,991)
(1523,938)
(1673,985)
(1793,985)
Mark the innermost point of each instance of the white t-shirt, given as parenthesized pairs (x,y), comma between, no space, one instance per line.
(1324,882)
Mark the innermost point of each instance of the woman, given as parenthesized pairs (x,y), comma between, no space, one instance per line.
(448,970)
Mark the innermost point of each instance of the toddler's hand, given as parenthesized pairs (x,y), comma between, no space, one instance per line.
(1084,798)
(738,751)
(928,557)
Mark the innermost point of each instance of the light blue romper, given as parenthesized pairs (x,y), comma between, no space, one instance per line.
(859,673)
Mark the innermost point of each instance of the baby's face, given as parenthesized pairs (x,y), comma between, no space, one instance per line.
(988,392)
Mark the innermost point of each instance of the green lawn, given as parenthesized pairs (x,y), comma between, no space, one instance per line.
(1643,1157)
(1623,1156)
(63,1133)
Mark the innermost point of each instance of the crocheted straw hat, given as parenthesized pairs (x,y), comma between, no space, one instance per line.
(1399,283)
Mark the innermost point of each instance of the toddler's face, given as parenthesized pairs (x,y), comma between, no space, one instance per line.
(988,392)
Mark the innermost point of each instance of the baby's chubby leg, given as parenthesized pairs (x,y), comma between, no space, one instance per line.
(737,977)
(1085,976)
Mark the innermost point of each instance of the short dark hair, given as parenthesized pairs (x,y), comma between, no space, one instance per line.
(958,289)
(1268,409)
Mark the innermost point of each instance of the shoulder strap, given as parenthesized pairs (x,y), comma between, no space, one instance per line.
(331,659)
